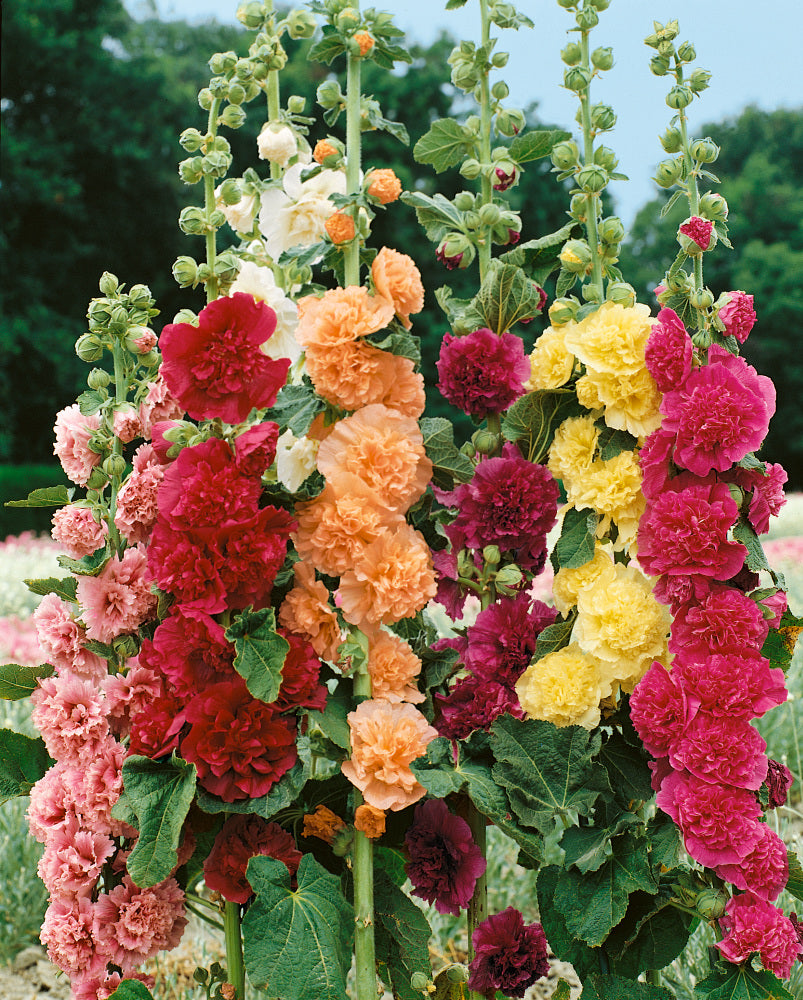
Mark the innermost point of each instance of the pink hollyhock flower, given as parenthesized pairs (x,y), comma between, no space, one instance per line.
(62,639)
(134,924)
(69,933)
(509,955)
(767,492)
(52,802)
(240,745)
(776,603)
(482,373)
(100,786)
(183,564)
(676,591)
(76,529)
(156,729)
(764,871)
(253,552)
(190,650)
(723,619)
(103,985)
(71,716)
(301,675)
(119,598)
(472,704)
(724,750)
(658,709)
(720,823)
(216,369)
(159,405)
(502,640)
(720,414)
(734,684)
(256,449)
(73,859)
(444,862)
(243,837)
(128,693)
(137,508)
(779,781)
(685,531)
(126,423)
(752,924)
(654,459)
(668,352)
(73,430)
(738,315)
(699,230)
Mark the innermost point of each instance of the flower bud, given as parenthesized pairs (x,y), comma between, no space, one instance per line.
(587,19)
(118,321)
(576,78)
(329,94)
(571,54)
(672,140)
(565,155)
(698,81)
(139,297)
(227,267)
(737,494)
(592,178)
(714,207)
(420,981)
(499,59)
(509,576)
(114,465)
(491,555)
(611,230)
(500,90)
(510,121)
(591,292)
(704,150)
(185,271)
(216,163)
(98,378)
(191,169)
(506,175)
(89,347)
(343,841)
(669,172)
(686,52)
(602,58)
(192,221)
(222,62)
(697,235)
(251,14)
(603,117)
(485,442)
(567,4)
(244,69)
(232,116)
(659,65)
(300,24)
(108,283)
(604,156)
(464,75)
(621,293)
(575,256)
(97,479)
(702,298)
(679,97)
(578,207)
(205,98)
(489,215)
(563,311)
(470,169)
(711,903)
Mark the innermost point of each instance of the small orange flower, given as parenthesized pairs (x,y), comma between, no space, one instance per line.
(383,185)
(364,40)
(396,277)
(307,612)
(341,315)
(340,227)
(323,823)
(324,148)
(369,821)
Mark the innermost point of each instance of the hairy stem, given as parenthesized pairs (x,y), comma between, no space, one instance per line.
(352,251)
(588,158)
(274,101)
(209,207)
(478,904)
(234,949)
(485,142)
(364,944)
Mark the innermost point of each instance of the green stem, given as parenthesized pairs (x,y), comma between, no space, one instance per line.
(234,949)
(692,191)
(478,904)
(274,101)
(364,944)
(353,133)
(120,397)
(485,143)
(588,158)
(653,976)
(209,207)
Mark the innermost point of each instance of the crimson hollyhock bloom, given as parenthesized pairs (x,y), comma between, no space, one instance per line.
(502,640)
(301,687)
(256,448)
(241,838)
(216,369)
(240,745)
(738,315)
(482,373)
(509,955)
(779,781)
(189,648)
(183,564)
(155,729)
(445,863)
(474,704)
(253,551)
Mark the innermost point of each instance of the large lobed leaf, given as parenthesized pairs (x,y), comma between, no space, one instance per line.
(23,761)
(260,652)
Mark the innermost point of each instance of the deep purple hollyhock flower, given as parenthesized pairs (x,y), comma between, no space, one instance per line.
(501,642)
(445,863)
(779,781)
(474,704)
(482,373)
(509,955)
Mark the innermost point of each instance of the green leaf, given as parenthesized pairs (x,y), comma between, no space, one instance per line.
(403,345)
(23,761)
(554,637)
(566,281)
(437,214)
(667,208)
(665,843)
(303,254)
(260,652)
(132,989)
(328,48)
(90,402)
(745,533)
(283,794)
(794,885)
(575,547)
(612,442)
(741,982)
(88,566)
(534,417)
(296,407)
(652,934)
(534,145)
(609,987)
(17,682)
(594,902)
(160,792)
(455,4)
(50,496)
(444,145)
(402,937)
(449,464)
(391,861)
(539,258)
(506,296)
(586,847)
(546,770)
(65,589)
(297,944)
(583,958)
(332,722)
(628,769)
(436,770)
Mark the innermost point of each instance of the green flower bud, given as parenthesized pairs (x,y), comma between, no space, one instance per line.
(232,116)
(98,378)
(108,283)
(215,219)
(499,59)
(666,49)
(567,4)
(125,646)
(587,19)
(230,191)
(490,215)
(464,201)
(600,4)
(473,124)
(698,81)
(611,230)
(711,903)
(244,69)
(260,75)
(591,293)
(219,87)
(216,163)
(296,104)
(89,347)
(509,576)
(565,155)
(185,271)
(226,61)
(575,256)
(576,78)
(563,311)
(602,58)
(420,981)
(679,282)
(704,150)
(470,169)
(669,172)
(659,65)
(672,140)
(191,169)
(471,220)
(192,221)
(139,297)
(571,54)
(737,494)
(604,156)
(465,564)
(621,293)
(465,76)
(99,313)
(500,90)
(592,178)
(97,479)
(668,32)
(118,323)
(701,298)
(150,360)
(679,97)
(510,121)
(301,24)
(603,117)
(486,442)
(686,52)
(343,842)
(491,555)
(236,93)
(251,14)
(114,465)
(205,98)
(578,207)
(713,207)
(329,94)
(226,267)
(468,450)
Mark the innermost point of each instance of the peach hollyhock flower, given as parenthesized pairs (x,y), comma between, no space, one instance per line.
(365,42)
(335,528)
(340,228)
(306,611)
(341,315)
(551,363)
(564,687)
(322,823)
(612,339)
(384,449)
(383,185)
(350,375)
(324,148)
(396,278)
(370,821)
(385,740)
(394,579)
(393,667)
(406,392)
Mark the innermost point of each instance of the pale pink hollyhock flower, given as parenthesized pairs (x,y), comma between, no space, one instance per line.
(753,924)
(134,924)
(53,803)
(19,642)
(101,786)
(77,531)
(136,502)
(73,430)
(159,404)
(119,598)
(69,934)
(738,315)
(764,871)
(129,693)
(73,859)
(70,713)
(62,637)
(127,423)
(145,342)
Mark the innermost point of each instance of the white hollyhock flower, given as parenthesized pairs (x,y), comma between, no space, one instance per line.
(261,283)
(295,459)
(277,145)
(295,214)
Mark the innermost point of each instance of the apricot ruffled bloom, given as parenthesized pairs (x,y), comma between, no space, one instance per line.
(322,823)
(340,227)
(394,579)
(351,375)
(370,821)
(397,279)
(385,740)
(383,185)
(384,449)
(406,393)
(306,611)
(341,315)
(393,667)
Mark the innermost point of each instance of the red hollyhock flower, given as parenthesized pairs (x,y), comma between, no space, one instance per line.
(699,230)
(241,838)
(256,448)
(509,955)
(240,745)
(190,649)
(301,687)
(156,727)
(216,369)
(253,552)
(482,373)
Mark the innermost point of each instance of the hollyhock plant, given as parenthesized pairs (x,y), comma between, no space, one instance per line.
(723,619)
(63,639)
(509,955)
(502,640)
(443,863)
(474,703)
(73,430)
(119,598)
(241,838)
(190,651)
(482,373)
(133,924)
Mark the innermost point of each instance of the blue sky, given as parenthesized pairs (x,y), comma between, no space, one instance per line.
(752,50)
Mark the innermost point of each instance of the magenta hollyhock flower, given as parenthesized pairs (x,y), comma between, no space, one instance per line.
(720,414)
(668,352)
(699,230)
(676,591)
(509,955)
(216,369)
(723,619)
(474,703)
(444,862)
(190,650)
(482,373)
(504,179)
(241,838)
(738,315)
(502,640)
(256,448)
(767,492)
(764,871)
(658,709)
(654,459)
(685,532)
(779,781)
(752,924)
(734,684)
(718,749)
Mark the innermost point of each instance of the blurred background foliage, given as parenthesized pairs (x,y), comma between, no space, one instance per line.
(92,106)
